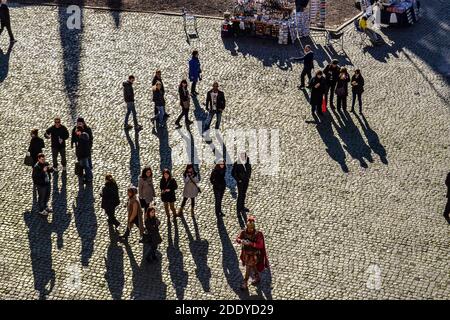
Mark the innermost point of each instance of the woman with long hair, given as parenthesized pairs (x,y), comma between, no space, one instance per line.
(183,93)
(191,188)
(146,188)
(168,185)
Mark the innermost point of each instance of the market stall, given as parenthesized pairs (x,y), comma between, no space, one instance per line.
(393,12)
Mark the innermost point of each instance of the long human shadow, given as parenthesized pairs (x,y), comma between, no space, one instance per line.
(4,62)
(373,139)
(40,243)
(177,273)
(230,261)
(114,274)
(115,4)
(135,158)
(71,41)
(165,151)
(264,288)
(199,252)
(332,143)
(61,218)
(85,221)
(350,135)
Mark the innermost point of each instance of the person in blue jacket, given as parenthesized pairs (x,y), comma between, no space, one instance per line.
(194,72)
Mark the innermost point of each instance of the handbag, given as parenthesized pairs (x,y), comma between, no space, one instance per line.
(198,188)
(78,169)
(28,161)
(340,91)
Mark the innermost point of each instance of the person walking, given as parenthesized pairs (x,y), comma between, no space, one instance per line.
(158,78)
(160,102)
(83,153)
(195,72)
(58,135)
(308,66)
(191,188)
(5,21)
(357,83)
(242,172)
(81,125)
(447,207)
(215,104)
(217,180)
(151,233)
(110,199)
(146,188)
(331,72)
(41,180)
(342,89)
(36,145)
(128,94)
(183,92)
(168,185)
(318,88)
(134,214)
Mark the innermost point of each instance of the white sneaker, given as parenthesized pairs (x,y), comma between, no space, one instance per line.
(49,210)
(43,213)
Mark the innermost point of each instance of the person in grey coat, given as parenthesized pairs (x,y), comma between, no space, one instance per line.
(191,189)
(146,188)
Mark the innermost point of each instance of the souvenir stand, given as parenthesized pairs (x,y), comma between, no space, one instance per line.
(394,12)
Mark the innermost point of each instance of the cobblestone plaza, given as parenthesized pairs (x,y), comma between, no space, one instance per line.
(351,206)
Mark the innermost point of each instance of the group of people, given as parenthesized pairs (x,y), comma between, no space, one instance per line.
(332,80)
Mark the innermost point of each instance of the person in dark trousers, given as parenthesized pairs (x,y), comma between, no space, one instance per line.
(191,188)
(215,104)
(357,83)
(331,73)
(217,180)
(128,94)
(318,88)
(151,233)
(134,214)
(195,72)
(168,185)
(5,21)
(160,102)
(58,135)
(308,66)
(81,125)
(183,93)
(41,180)
(158,78)
(83,152)
(110,199)
(146,188)
(342,89)
(242,172)
(36,145)
(447,207)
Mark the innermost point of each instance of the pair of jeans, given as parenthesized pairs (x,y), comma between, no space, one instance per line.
(87,169)
(8,27)
(62,152)
(341,101)
(43,192)
(218,115)
(305,72)
(131,109)
(161,113)
(218,197)
(242,194)
(359,95)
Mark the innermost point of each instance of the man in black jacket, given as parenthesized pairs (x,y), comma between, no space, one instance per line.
(308,66)
(447,207)
(83,152)
(58,134)
(41,180)
(331,72)
(81,124)
(128,94)
(215,104)
(318,87)
(242,172)
(5,21)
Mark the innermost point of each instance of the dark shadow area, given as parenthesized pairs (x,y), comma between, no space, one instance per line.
(61,218)
(4,62)
(199,252)
(165,151)
(40,243)
(332,143)
(71,40)
(85,221)
(135,158)
(114,274)
(352,139)
(178,275)
(373,139)
(116,4)
(264,288)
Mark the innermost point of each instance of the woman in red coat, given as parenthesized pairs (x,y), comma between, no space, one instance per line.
(253,254)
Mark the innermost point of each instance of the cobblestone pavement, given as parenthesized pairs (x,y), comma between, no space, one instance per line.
(373,232)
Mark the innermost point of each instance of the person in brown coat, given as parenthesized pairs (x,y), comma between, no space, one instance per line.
(134,213)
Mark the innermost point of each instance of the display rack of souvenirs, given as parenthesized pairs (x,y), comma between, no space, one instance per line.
(395,12)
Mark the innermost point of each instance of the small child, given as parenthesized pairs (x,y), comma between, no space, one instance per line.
(152,236)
